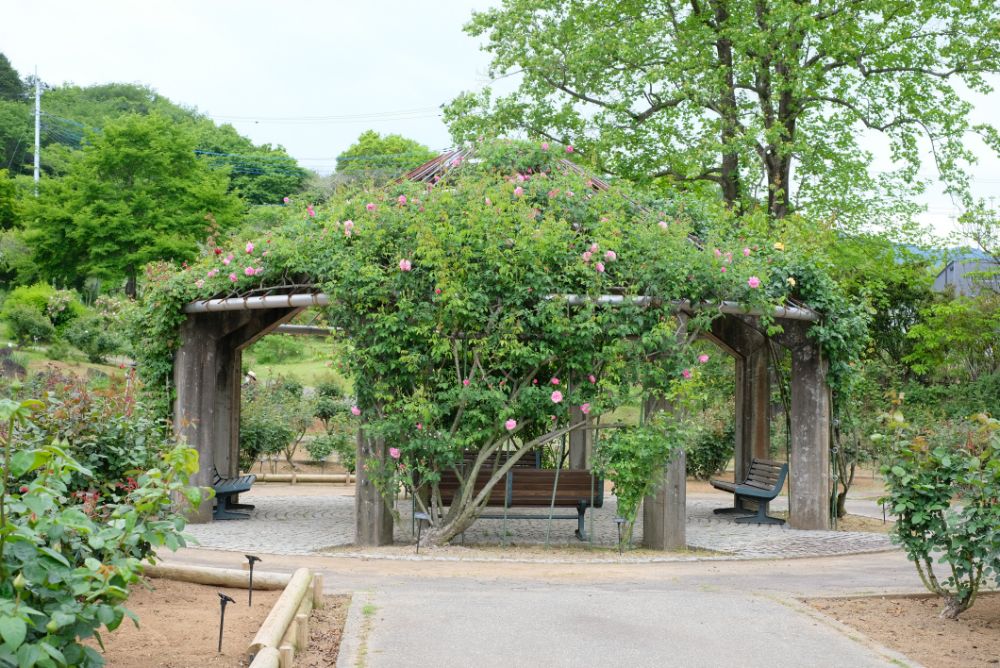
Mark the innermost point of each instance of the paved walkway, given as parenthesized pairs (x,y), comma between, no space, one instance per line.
(744,609)
(311,523)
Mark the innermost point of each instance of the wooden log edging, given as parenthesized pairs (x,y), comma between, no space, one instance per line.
(298,596)
(218,577)
(293,478)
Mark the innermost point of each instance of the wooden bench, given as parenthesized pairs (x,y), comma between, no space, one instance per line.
(532,488)
(762,484)
(225,490)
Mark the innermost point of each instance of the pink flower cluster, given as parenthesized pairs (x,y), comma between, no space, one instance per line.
(405,265)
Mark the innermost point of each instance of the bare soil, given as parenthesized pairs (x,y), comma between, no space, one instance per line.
(326,626)
(179,627)
(911,625)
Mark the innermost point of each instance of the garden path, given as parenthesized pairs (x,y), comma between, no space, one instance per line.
(443,610)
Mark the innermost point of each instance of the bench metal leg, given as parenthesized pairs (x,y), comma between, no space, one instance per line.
(224,510)
(240,506)
(761,517)
(581,516)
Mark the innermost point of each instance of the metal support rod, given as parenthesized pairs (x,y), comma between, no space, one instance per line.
(38,130)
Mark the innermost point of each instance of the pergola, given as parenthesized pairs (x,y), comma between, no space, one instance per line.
(207,377)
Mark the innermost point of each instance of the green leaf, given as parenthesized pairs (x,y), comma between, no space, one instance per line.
(28,656)
(54,555)
(898,471)
(24,461)
(13,630)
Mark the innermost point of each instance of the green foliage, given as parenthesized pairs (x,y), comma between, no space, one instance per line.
(277,348)
(273,420)
(11,86)
(106,430)
(135,194)
(735,92)
(93,335)
(943,487)
(633,458)
(67,560)
(27,325)
(957,338)
(710,451)
(16,131)
(8,202)
(381,158)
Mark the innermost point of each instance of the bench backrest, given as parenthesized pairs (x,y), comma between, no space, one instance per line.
(524,487)
(766,474)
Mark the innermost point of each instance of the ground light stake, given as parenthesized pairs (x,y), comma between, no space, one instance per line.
(252,559)
(223,599)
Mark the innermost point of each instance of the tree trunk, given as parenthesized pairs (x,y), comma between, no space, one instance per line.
(779,170)
(730,174)
(954,606)
(130,285)
(841,504)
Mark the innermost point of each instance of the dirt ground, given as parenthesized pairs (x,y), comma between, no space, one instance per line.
(179,627)
(911,625)
(326,626)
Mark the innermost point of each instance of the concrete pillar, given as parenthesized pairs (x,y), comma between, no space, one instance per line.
(809,468)
(664,515)
(753,418)
(373,521)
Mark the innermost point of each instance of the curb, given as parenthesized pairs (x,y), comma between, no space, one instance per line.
(857,636)
(352,637)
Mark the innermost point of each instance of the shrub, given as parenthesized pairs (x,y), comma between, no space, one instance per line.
(60,306)
(96,336)
(710,450)
(106,430)
(278,348)
(274,418)
(943,486)
(66,560)
(28,325)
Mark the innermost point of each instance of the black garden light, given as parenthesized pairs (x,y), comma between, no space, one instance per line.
(619,521)
(421,518)
(223,600)
(252,559)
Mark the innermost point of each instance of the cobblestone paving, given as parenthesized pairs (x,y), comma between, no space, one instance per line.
(308,524)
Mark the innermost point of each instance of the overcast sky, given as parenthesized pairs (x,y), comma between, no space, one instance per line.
(309,75)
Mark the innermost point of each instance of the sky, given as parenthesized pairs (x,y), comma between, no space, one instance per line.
(310,75)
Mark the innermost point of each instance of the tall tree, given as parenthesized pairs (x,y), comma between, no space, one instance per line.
(769,100)
(378,157)
(11,86)
(135,193)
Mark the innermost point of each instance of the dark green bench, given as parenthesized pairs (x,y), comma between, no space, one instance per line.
(762,484)
(532,488)
(225,489)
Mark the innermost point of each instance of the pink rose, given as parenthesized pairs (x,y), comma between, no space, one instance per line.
(702,358)
(394,453)
(232,277)
(545,146)
(554,381)
(585,408)
(286,200)
(402,200)
(355,411)
(663,224)
(746,252)
(370,206)
(591,378)
(557,397)
(599,267)
(686,373)
(249,271)
(569,149)
(511,424)
(753,282)
(405,265)
(518,191)
(586,256)
(610,256)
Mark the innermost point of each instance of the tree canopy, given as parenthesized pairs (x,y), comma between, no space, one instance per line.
(135,193)
(375,156)
(768,101)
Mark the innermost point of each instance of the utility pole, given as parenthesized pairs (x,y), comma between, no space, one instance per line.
(38,129)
